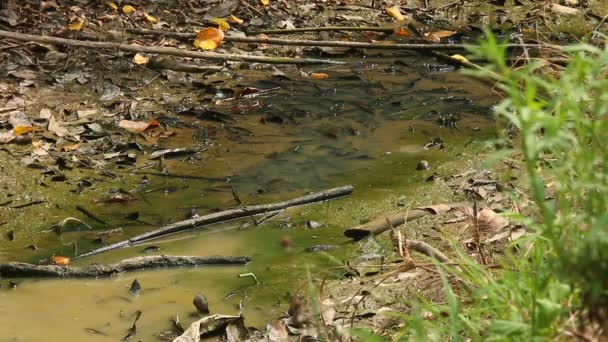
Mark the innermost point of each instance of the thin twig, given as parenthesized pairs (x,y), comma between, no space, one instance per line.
(165,50)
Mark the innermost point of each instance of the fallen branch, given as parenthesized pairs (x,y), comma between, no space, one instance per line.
(302,42)
(326,28)
(223,216)
(428,250)
(20,269)
(380,224)
(164,50)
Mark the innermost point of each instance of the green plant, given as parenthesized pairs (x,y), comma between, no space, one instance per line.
(563,123)
(562,272)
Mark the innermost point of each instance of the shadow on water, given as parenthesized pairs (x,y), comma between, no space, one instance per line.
(365,125)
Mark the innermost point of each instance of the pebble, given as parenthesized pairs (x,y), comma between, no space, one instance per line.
(423,165)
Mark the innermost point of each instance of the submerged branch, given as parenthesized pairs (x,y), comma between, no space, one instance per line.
(20,269)
(223,216)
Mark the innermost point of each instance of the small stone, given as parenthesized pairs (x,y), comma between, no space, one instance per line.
(423,165)
(313,224)
(201,304)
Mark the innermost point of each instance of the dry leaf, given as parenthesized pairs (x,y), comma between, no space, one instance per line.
(235,20)
(19,130)
(127,9)
(489,220)
(60,260)
(395,13)
(68,148)
(435,37)
(112,5)
(557,8)
(77,25)
(55,128)
(140,59)
(137,126)
(209,38)
(318,75)
(6,137)
(222,23)
(265,2)
(150,18)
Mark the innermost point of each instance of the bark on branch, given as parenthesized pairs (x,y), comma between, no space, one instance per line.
(163,50)
(302,42)
(380,224)
(20,269)
(223,216)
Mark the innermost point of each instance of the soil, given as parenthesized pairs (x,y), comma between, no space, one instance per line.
(241,120)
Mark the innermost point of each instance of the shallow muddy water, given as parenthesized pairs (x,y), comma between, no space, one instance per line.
(366,125)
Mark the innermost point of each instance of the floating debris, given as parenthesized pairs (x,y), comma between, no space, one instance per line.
(175,152)
(150,249)
(320,248)
(135,287)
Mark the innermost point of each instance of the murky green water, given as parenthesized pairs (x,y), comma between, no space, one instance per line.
(366,126)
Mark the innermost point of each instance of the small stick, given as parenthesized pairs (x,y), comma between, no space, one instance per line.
(260,13)
(326,28)
(235,194)
(242,275)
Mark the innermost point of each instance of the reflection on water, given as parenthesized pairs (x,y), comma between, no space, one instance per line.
(366,127)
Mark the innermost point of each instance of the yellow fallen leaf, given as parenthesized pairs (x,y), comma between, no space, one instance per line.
(221,23)
(401,31)
(209,38)
(76,25)
(140,59)
(207,44)
(395,13)
(150,18)
(318,75)
(265,2)
(235,20)
(127,9)
(112,5)
(60,260)
(460,58)
(19,130)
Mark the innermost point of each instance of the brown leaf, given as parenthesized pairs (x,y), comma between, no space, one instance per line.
(490,221)
(55,128)
(6,137)
(137,126)
(435,37)
(73,147)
